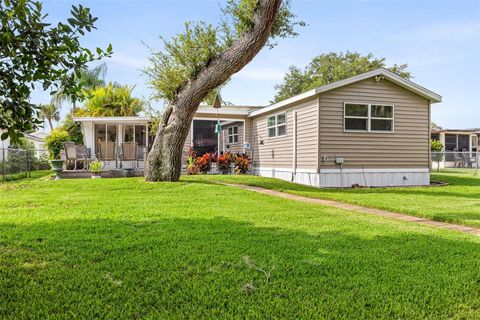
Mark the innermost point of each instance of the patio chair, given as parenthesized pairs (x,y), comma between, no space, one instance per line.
(129,153)
(107,152)
(72,154)
(84,155)
(467,159)
(459,161)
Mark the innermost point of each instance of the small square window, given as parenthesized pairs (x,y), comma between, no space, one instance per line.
(271,132)
(276,125)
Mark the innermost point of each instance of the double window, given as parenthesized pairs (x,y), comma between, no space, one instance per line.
(368,117)
(233,134)
(277,125)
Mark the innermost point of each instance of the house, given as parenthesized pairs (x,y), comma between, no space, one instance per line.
(118,130)
(37,139)
(462,140)
(372,130)
(369,130)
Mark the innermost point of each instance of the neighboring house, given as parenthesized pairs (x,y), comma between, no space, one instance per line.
(372,130)
(456,140)
(36,138)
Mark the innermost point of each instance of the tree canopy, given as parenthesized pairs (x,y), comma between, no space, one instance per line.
(112,100)
(36,52)
(186,54)
(331,67)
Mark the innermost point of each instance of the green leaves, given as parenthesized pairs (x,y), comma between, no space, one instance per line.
(328,68)
(184,56)
(34,51)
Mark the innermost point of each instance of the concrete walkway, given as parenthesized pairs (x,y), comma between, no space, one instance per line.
(361,209)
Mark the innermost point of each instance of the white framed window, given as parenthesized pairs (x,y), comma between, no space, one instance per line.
(363,117)
(233,134)
(277,125)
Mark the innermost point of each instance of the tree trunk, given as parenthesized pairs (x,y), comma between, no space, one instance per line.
(50,123)
(164,159)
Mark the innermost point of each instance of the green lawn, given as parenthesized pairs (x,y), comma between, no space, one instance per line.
(23,175)
(127,249)
(459,202)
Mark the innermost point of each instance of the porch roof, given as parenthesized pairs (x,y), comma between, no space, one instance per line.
(132,120)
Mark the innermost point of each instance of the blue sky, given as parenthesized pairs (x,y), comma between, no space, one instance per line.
(440,40)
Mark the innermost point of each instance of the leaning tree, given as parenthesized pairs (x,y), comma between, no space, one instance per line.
(196,62)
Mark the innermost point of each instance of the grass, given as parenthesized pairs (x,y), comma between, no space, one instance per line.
(124,248)
(23,175)
(459,202)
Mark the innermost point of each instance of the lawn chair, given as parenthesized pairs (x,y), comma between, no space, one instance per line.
(107,152)
(84,155)
(129,153)
(467,159)
(71,153)
(459,161)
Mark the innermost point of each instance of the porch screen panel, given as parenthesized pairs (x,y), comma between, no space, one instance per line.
(140,139)
(128,133)
(100,136)
(111,133)
(463,142)
(450,142)
(141,135)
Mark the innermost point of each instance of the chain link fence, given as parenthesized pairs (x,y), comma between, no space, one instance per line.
(20,163)
(455,160)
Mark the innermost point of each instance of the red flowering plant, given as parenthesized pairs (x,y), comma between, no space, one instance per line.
(204,163)
(242,164)
(223,163)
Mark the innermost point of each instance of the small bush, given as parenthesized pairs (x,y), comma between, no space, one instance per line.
(204,163)
(54,142)
(242,164)
(224,162)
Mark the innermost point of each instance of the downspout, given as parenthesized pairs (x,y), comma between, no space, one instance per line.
(294,164)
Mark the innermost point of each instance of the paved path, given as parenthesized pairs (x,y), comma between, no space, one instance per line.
(372,211)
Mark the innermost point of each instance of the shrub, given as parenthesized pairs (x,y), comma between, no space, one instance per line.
(436,145)
(54,142)
(192,168)
(96,167)
(41,163)
(224,162)
(204,163)
(242,164)
(74,130)
(437,154)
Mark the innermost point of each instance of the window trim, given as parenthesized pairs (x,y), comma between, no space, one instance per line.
(369,117)
(232,135)
(276,125)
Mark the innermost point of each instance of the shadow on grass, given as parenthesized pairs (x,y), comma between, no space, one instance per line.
(194,268)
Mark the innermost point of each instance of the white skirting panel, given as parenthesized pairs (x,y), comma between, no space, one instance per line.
(335,178)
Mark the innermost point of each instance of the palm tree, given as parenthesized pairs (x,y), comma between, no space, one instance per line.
(111,100)
(88,79)
(49,112)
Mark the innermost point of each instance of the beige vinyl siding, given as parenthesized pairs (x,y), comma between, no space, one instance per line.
(307,136)
(277,152)
(232,147)
(406,147)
